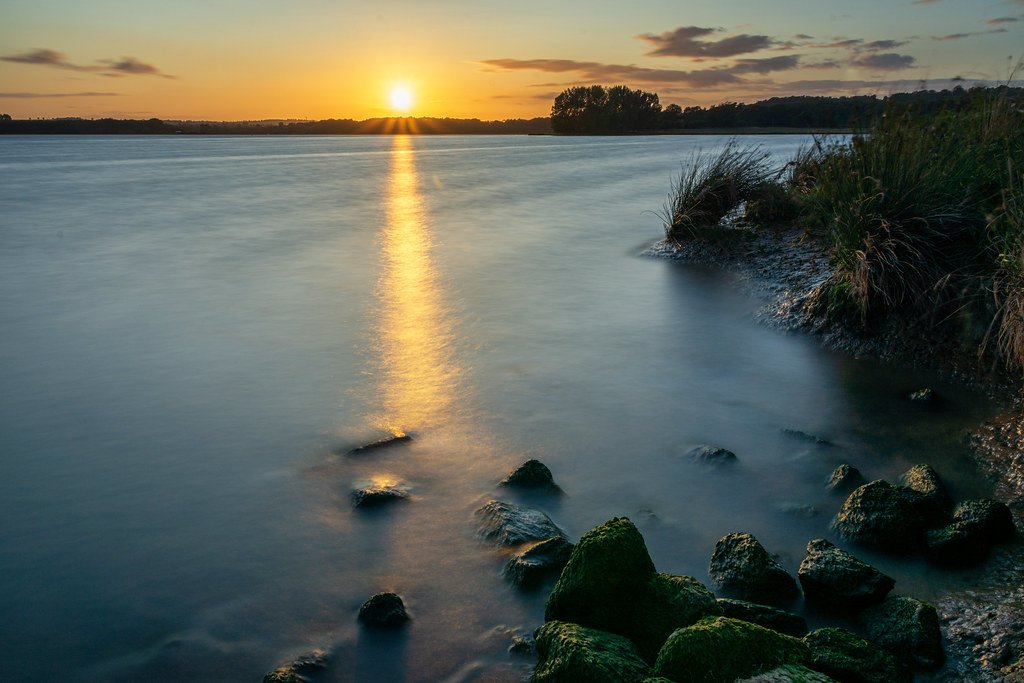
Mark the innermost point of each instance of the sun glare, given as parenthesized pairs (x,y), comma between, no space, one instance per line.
(401,98)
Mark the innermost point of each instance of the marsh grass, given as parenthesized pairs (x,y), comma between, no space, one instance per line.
(710,187)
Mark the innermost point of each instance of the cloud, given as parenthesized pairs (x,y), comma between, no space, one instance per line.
(884,61)
(685,42)
(597,72)
(882,45)
(34,95)
(125,66)
(960,36)
(1002,20)
(763,66)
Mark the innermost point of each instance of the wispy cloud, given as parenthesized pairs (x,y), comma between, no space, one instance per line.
(961,36)
(689,41)
(125,66)
(1002,20)
(35,95)
(596,71)
(884,61)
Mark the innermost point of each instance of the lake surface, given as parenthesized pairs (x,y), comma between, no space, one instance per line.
(195,330)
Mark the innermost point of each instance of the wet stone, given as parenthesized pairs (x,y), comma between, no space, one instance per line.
(383,610)
(298,670)
(925,395)
(741,567)
(375,495)
(386,442)
(538,562)
(881,515)
(834,579)
(845,479)
(508,524)
(532,474)
(763,615)
(711,455)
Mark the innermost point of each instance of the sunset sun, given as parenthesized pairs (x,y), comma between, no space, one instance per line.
(400,98)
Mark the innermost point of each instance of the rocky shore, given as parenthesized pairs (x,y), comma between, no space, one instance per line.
(983,627)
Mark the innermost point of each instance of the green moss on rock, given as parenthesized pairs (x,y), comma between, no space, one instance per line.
(907,627)
(849,658)
(665,604)
(742,568)
(568,653)
(763,615)
(881,515)
(789,673)
(719,649)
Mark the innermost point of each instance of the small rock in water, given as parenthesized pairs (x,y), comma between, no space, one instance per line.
(927,493)
(804,436)
(522,645)
(798,510)
(531,474)
(845,479)
(376,494)
(712,455)
(925,395)
(392,440)
(881,515)
(977,526)
(296,670)
(742,567)
(508,524)
(533,565)
(835,579)
(383,610)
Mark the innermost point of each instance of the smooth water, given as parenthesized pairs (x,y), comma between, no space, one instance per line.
(195,330)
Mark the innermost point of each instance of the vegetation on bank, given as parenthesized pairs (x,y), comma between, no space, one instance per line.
(923,213)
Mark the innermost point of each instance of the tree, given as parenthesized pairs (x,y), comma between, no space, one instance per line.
(5,117)
(593,109)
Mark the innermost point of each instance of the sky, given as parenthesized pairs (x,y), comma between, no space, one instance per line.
(316,59)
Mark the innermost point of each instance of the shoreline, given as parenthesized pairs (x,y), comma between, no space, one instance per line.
(984,626)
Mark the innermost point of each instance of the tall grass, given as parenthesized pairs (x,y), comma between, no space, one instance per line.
(710,187)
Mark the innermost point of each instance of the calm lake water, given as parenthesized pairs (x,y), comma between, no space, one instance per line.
(195,328)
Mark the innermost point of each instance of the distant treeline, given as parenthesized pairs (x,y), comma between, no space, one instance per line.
(428,126)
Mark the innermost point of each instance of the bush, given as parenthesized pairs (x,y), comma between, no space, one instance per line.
(711,187)
(771,204)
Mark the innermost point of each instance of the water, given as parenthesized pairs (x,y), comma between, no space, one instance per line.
(195,328)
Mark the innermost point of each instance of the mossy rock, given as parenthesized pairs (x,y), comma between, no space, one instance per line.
(834,579)
(849,658)
(977,525)
(665,604)
(881,515)
(763,615)
(742,568)
(845,478)
(927,493)
(908,628)
(568,653)
(992,517)
(721,650)
(789,673)
(299,669)
(608,568)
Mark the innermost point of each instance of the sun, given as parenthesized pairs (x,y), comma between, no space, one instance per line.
(400,98)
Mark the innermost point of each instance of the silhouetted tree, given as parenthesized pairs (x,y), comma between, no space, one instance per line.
(592,109)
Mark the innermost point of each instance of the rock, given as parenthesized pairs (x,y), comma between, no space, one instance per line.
(908,628)
(608,567)
(532,474)
(508,524)
(849,658)
(992,517)
(383,610)
(789,673)
(845,479)
(711,455)
(927,493)
(722,649)
(530,567)
(570,652)
(522,645)
(801,510)
(835,579)
(665,604)
(925,395)
(610,584)
(804,436)
(297,670)
(393,440)
(741,567)
(977,525)
(763,615)
(880,515)
(376,494)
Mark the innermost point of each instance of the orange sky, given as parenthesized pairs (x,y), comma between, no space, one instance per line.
(235,60)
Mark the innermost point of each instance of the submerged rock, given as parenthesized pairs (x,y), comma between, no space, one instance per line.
(845,479)
(741,567)
(610,584)
(532,474)
(927,493)
(722,649)
(789,673)
(836,580)
(908,628)
(393,440)
(570,652)
(763,615)
(711,455)
(373,495)
(804,436)
(523,645)
(508,524)
(538,562)
(880,515)
(299,669)
(383,610)
(849,658)
(925,395)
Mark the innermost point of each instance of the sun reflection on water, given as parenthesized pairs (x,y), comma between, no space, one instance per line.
(415,329)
